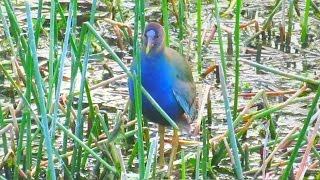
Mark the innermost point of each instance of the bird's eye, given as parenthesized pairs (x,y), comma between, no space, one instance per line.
(157,36)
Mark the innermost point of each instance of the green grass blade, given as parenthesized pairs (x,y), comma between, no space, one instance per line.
(140,133)
(7,32)
(61,71)
(76,158)
(237,56)
(302,135)
(197,170)
(204,150)
(268,22)
(137,91)
(19,151)
(165,19)
(4,142)
(77,52)
(305,27)
(232,137)
(141,14)
(52,49)
(39,158)
(275,71)
(199,43)
(39,21)
(40,85)
(152,151)
(28,140)
(222,59)
(138,105)
(181,20)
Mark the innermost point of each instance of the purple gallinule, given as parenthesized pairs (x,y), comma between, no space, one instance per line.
(168,79)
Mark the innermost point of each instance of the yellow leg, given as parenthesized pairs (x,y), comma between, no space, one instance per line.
(175,143)
(161,148)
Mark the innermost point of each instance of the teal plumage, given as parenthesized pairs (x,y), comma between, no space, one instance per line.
(168,79)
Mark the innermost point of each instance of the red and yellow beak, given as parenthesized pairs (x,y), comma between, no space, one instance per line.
(149,45)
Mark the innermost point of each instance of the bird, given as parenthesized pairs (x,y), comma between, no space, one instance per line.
(167,77)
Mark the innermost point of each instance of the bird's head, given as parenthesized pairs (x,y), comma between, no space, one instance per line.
(153,38)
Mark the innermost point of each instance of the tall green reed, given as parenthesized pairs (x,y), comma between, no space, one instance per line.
(304,33)
(165,19)
(137,88)
(52,46)
(232,137)
(199,43)
(181,21)
(222,55)
(77,152)
(237,55)
(40,85)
